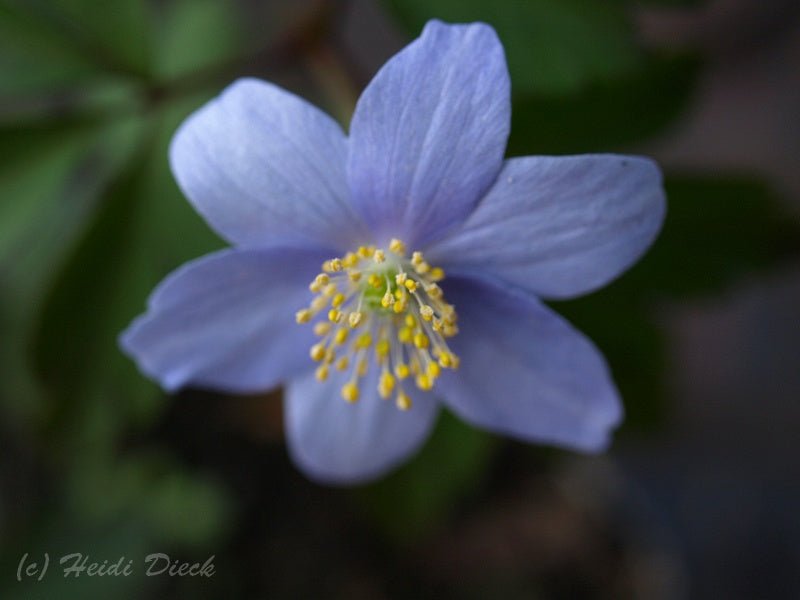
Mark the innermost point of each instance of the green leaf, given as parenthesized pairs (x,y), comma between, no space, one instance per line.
(147,487)
(113,35)
(411,501)
(552,46)
(717,230)
(607,115)
(33,56)
(49,197)
(197,34)
(144,229)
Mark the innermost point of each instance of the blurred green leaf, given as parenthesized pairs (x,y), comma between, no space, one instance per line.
(716,231)
(552,46)
(50,176)
(176,506)
(113,35)
(143,229)
(606,115)
(197,34)
(34,56)
(411,501)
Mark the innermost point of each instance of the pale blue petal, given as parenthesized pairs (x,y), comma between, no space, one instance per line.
(335,442)
(266,168)
(226,321)
(527,373)
(429,132)
(560,226)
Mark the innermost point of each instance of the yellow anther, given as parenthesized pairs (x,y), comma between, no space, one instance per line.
(397,247)
(317,352)
(424,382)
(322,328)
(421,340)
(403,402)
(405,347)
(433,290)
(355,319)
(401,370)
(318,303)
(382,348)
(363,365)
(350,392)
(446,359)
(386,384)
(405,335)
(341,336)
(436,274)
(434,370)
(364,341)
(330,355)
(350,260)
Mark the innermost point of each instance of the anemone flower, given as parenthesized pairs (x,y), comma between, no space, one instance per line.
(382,274)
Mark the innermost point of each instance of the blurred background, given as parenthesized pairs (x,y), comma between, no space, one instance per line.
(698,497)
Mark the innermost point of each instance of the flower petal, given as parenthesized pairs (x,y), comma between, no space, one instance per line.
(333,441)
(527,373)
(429,132)
(226,321)
(265,167)
(560,226)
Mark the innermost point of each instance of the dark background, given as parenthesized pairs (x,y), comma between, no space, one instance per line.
(699,495)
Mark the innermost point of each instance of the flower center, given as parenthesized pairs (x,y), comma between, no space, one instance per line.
(382,302)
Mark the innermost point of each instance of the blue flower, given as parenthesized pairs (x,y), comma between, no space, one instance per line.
(381,274)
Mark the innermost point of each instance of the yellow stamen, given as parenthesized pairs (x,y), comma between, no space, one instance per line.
(350,392)
(372,288)
(403,402)
(397,247)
